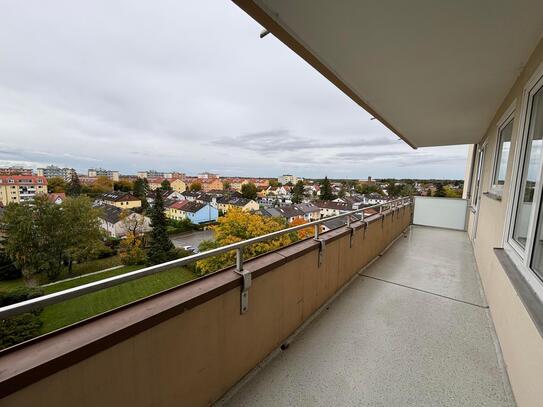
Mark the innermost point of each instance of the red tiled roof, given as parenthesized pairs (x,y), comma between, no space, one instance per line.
(23,179)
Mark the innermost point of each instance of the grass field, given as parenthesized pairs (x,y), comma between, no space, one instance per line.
(68,312)
(77,269)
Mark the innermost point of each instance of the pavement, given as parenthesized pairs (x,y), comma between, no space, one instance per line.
(193,238)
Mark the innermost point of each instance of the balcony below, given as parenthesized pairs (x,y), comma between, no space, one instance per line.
(412,329)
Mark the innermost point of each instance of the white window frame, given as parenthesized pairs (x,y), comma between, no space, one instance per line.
(507,118)
(522,257)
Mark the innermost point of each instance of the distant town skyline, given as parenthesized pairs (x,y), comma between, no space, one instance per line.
(204,95)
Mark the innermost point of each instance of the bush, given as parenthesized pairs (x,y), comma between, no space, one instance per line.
(105,251)
(22,327)
(179,226)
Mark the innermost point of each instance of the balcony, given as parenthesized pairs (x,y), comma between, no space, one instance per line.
(413,328)
(339,320)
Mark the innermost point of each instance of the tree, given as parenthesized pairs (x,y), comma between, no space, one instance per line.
(74,186)
(408,190)
(35,236)
(102,184)
(81,226)
(368,189)
(140,190)
(274,183)
(122,185)
(248,190)
(298,192)
(195,186)
(326,190)
(56,184)
(226,185)
(132,250)
(439,192)
(161,248)
(235,226)
(165,185)
(342,192)
(303,233)
(41,235)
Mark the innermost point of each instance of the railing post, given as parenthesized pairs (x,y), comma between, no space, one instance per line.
(321,247)
(246,283)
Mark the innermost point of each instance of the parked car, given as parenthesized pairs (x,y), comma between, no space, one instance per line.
(191,249)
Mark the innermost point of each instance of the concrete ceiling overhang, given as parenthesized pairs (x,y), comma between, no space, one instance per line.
(434,72)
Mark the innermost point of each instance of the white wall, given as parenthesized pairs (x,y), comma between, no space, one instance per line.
(440,212)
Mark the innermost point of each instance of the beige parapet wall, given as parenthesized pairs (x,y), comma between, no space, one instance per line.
(195,355)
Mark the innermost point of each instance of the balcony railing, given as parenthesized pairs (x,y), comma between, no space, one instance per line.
(49,299)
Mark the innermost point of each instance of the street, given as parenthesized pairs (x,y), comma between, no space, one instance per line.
(191,238)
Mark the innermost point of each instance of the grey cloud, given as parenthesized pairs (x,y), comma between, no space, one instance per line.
(79,89)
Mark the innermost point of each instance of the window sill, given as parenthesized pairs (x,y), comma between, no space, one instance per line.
(524,290)
(497,196)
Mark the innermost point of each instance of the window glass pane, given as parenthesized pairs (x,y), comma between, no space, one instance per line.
(530,175)
(503,153)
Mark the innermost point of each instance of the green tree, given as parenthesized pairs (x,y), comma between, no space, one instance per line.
(298,192)
(226,185)
(165,185)
(274,183)
(74,186)
(326,190)
(56,184)
(122,185)
(393,190)
(161,248)
(248,190)
(35,236)
(342,192)
(439,192)
(408,190)
(141,189)
(81,225)
(41,235)
(195,186)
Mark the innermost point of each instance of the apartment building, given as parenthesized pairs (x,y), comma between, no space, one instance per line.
(101,172)
(177,184)
(53,171)
(21,188)
(15,171)
(287,178)
(154,174)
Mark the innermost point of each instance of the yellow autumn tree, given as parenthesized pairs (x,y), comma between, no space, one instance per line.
(236,226)
(302,233)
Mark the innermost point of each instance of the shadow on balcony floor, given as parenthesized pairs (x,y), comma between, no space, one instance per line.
(413,330)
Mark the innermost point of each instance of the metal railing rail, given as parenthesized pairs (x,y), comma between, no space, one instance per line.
(54,298)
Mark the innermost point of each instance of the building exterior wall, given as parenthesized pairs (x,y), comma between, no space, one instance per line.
(197,354)
(520,341)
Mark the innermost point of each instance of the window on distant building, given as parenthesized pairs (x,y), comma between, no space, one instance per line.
(502,153)
(526,227)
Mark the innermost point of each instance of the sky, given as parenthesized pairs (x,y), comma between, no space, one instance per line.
(182,86)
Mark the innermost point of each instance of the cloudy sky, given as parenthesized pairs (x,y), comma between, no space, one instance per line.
(186,86)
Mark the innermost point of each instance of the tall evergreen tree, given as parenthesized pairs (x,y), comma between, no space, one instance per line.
(298,192)
(140,190)
(326,190)
(74,186)
(161,248)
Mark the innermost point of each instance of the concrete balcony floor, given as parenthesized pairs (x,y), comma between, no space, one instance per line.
(413,330)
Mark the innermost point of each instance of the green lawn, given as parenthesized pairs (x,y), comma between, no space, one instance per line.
(67,312)
(77,269)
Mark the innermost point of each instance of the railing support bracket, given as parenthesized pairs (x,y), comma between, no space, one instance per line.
(246,283)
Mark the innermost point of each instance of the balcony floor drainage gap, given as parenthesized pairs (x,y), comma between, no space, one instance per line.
(426,292)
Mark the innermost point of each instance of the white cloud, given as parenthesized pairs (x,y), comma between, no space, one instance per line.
(188,86)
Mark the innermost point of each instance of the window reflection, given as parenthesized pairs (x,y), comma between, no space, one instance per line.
(531,169)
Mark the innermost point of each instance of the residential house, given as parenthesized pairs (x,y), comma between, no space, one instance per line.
(166,195)
(329,208)
(118,222)
(195,212)
(225,203)
(21,188)
(311,212)
(57,197)
(123,200)
(290,213)
(177,184)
